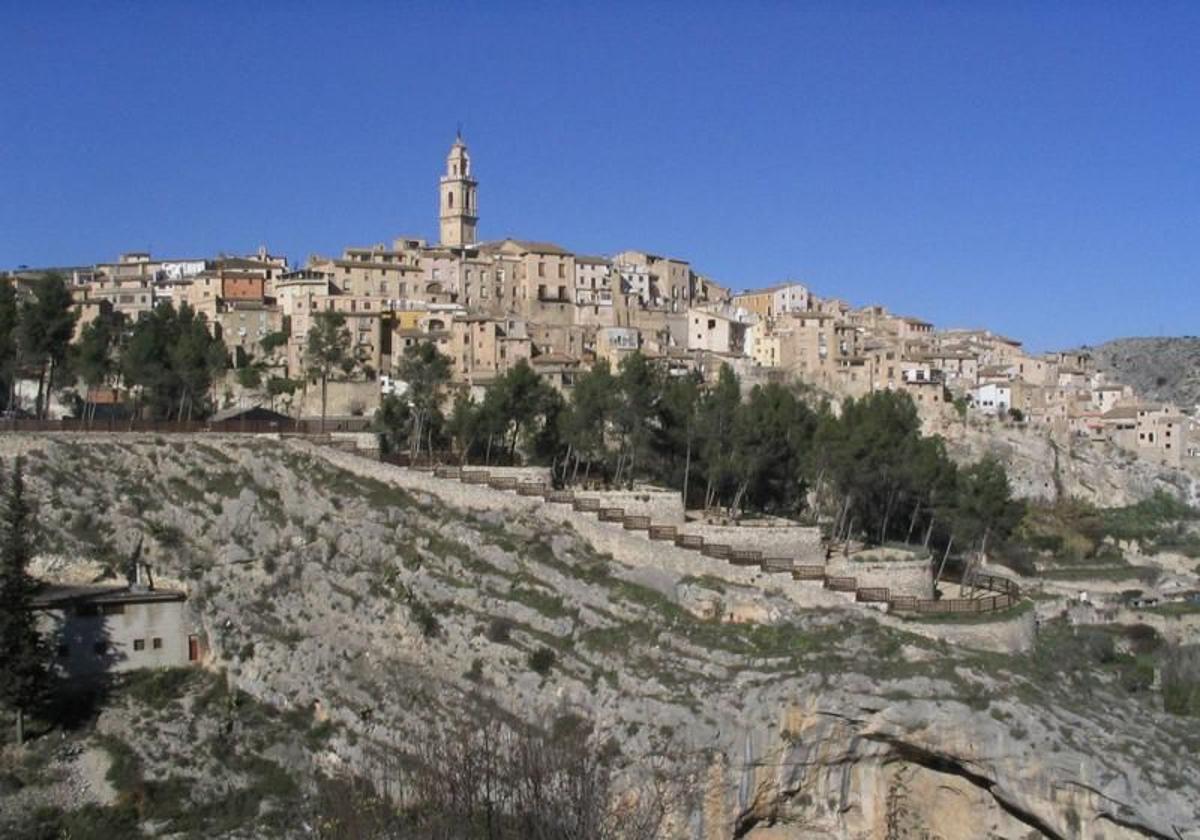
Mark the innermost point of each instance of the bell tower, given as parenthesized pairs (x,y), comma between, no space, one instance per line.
(458,211)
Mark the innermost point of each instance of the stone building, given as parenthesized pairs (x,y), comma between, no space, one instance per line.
(98,629)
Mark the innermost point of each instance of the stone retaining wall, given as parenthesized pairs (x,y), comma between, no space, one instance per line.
(663,565)
(664,507)
(541,474)
(900,577)
(799,542)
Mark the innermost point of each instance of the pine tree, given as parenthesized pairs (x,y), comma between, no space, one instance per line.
(24,677)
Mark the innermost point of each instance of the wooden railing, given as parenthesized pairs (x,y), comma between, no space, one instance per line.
(808,573)
(611,514)
(717,551)
(531,488)
(503,482)
(841,584)
(872,594)
(636,523)
(165,427)
(448,472)
(475,477)
(560,497)
(586,505)
(745,557)
(691,542)
(663,532)
(773,565)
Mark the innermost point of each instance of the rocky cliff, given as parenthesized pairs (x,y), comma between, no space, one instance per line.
(1042,466)
(1165,369)
(324,587)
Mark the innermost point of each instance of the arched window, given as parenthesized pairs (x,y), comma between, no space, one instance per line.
(450,198)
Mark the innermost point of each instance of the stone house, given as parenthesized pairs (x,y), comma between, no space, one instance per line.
(98,629)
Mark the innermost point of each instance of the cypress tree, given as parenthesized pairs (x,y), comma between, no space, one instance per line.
(24,677)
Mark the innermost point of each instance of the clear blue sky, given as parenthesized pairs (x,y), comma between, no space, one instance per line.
(1033,167)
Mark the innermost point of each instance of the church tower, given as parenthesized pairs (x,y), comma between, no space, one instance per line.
(459,213)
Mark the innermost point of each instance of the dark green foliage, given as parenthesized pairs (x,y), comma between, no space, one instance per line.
(984,507)
(9,325)
(500,631)
(173,359)
(425,619)
(327,351)
(93,358)
(426,372)
(542,660)
(1181,681)
(47,322)
(24,679)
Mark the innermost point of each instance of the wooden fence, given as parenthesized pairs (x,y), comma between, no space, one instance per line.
(745,557)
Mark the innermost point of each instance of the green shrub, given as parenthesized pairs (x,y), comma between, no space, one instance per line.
(500,631)
(425,619)
(1181,681)
(541,661)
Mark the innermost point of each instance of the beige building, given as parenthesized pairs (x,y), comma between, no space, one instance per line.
(775,300)
(483,348)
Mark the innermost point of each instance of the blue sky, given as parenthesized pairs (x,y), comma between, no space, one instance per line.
(1030,167)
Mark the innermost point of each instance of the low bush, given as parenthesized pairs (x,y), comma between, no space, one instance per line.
(1181,681)
(541,661)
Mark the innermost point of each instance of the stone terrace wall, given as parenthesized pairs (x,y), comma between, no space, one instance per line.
(662,565)
(627,547)
(799,542)
(664,507)
(531,474)
(901,577)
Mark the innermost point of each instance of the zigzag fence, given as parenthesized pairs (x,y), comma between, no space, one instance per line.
(1007,593)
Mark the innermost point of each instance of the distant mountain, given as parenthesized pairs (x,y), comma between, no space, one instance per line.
(1162,369)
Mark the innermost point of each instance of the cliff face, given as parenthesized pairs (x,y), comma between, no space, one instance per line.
(1161,369)
(323,586)
(1041,467)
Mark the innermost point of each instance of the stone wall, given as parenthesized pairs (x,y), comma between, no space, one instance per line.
(1002,634)
(664,507)
(799,542)
(900,577)
(530,474)
(662,565)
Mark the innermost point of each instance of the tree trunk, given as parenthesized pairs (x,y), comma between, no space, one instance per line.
(324,382)
(20,727)
(37,406)
(942,568)
(687,468)
(912,523)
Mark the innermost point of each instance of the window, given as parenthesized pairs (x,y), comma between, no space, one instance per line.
(63,652)
(450,199)
(139,644)
(156,644)
(541,269)
(562,271)
(100,648)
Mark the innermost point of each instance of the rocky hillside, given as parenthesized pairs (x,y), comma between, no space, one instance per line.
(1041,467)
(1165,369)
(333,594)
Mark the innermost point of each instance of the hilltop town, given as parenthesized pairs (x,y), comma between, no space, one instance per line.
(491,305)
(311,540)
